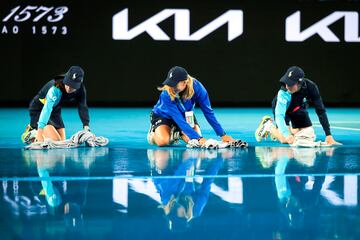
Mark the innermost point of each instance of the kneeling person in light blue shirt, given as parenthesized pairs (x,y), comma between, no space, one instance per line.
(45,108)
(290,107)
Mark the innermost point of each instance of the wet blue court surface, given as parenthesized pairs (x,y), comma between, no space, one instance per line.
(131,190)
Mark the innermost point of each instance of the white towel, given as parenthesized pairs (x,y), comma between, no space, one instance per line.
(213,144)
(306,138)
(76,140)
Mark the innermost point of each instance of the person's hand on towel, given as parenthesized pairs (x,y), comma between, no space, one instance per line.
(227,138)
(290,139)
(331,141)
(202,141)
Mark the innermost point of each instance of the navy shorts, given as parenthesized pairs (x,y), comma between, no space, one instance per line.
(299,118)
(55,119)
(157,121)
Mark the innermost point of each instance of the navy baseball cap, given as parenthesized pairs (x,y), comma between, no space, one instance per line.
(293,75)
(175,75)
(74,77)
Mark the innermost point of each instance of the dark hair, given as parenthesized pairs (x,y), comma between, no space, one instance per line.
(59,83)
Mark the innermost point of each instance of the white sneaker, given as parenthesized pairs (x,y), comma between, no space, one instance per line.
(174,135)
(29,135)
(151,136)
(263,131)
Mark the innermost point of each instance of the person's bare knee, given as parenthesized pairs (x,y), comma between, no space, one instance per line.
(50,132)
(162,140)
(162,135)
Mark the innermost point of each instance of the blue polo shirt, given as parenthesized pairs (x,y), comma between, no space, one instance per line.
(175,110)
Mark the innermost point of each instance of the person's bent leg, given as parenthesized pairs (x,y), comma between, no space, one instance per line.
(162,135)
(50,132)
(57,124)
(275,133)
(62,134)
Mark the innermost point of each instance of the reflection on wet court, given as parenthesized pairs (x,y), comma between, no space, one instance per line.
(137,191)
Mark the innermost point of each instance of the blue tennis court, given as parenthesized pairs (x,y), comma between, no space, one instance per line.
(132,190)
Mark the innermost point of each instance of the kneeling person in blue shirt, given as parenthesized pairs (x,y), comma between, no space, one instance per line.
(173,118)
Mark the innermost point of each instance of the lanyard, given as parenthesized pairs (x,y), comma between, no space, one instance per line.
(181,103)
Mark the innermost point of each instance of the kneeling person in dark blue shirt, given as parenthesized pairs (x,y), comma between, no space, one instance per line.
(173,118)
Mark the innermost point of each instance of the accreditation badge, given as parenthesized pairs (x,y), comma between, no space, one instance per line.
(189,116)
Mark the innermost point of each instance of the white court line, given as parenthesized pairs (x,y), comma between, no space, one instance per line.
(341,122)
(342,128)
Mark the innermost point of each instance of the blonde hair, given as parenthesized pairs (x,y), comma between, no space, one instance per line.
(187,94)
(187,203)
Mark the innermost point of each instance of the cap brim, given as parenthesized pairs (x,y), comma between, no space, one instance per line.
(72,84)
(284,79)
(169,82)
(76,86)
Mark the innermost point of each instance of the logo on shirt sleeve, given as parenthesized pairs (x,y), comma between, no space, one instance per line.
(52,96)
(282,100)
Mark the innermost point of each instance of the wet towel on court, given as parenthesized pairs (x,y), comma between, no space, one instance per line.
(306,138)
(76,140)
(213,144)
